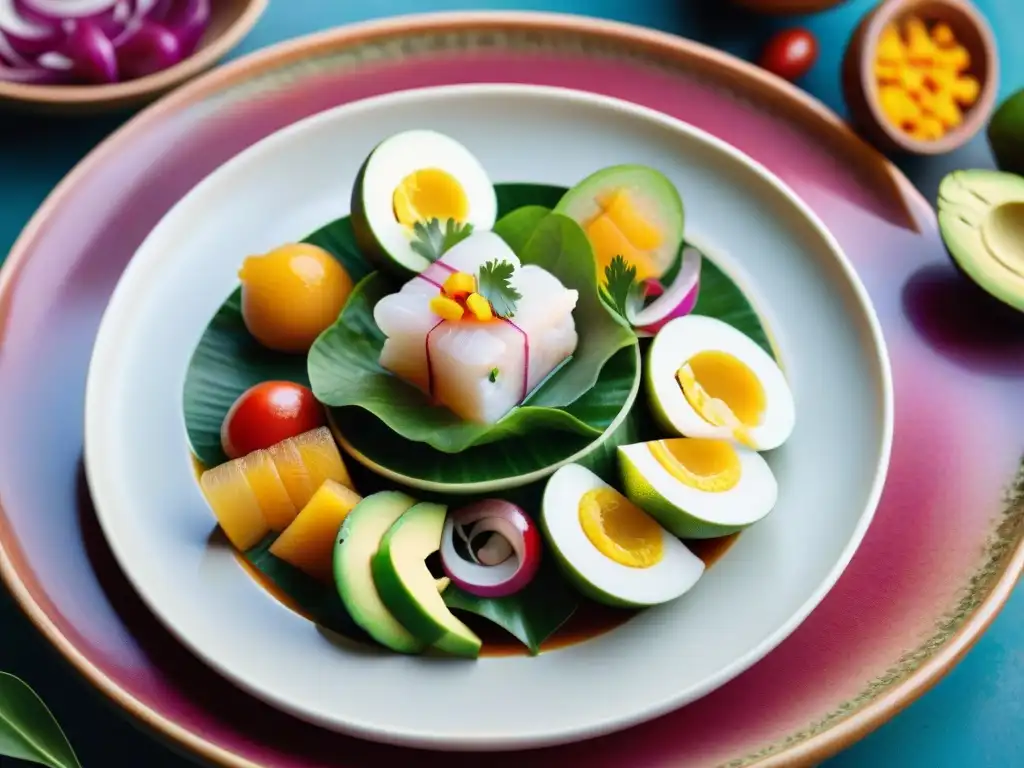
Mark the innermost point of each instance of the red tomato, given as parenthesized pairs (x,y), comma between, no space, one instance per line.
(268,413)
(790,54)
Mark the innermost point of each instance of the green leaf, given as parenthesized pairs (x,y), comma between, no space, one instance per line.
(431,242)
(517,227)
(227,362)
(507,458)
(344,370)
(721,298)
(514,196)
(495,285)
(619,284)
(531,615)
(315,599)
(28,730)
(560,246)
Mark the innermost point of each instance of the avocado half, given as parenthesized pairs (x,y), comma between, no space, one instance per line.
(1006,134)
(981,217)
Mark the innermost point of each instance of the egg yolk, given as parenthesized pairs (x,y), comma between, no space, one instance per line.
(723,391)
(619,530)
(427,194)
(707,465)
(619,229)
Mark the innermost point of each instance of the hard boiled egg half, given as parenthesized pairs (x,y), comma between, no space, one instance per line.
(412,178)
(706,379)
(612,551)
(698,488)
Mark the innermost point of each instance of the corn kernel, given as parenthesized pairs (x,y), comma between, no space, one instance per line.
(887,73)
(929,129)
(947,112)
(939,80)
(916,33)
(459,285)
(446,309)
(479,306)
(926,99)
(890,46)
(896,105)
(956,58)
(943,35)
(911,80)
(965,90)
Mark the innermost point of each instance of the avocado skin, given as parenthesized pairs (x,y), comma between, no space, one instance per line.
(1006,134)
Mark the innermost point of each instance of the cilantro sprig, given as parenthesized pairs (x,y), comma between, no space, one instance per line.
(494,284)
(431,241)
(620,288)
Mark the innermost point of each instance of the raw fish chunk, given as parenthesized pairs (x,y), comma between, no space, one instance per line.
(479,370)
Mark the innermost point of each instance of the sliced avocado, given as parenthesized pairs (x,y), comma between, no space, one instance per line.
(981,216)
(409,590)
(358,541)
(630,210)
(1006,134)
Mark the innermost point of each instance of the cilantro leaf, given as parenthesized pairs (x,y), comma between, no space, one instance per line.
(493,376)
(495,286)
(620,286)
(432,242)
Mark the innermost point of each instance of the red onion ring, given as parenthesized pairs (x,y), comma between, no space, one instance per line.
(497,578)
(676,300)
(25,36)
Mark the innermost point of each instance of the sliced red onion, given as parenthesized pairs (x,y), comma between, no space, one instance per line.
(188,20)
(678,299)
(30,75)
(149,47)
(56,12)
(506,563)
(653,288)
(27,37)
(92,53)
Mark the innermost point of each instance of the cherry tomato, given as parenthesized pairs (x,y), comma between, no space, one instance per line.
(790,54)
(268,413)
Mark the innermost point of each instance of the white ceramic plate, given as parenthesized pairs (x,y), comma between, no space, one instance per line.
(830,472)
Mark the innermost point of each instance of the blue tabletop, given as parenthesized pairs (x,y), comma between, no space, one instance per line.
(974,717)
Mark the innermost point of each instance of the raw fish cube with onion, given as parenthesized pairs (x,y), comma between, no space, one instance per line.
(479,369)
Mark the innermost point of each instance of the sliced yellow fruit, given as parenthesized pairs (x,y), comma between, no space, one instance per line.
(308,543)
(234,504)
(320,454)
(278,508)
(293,472)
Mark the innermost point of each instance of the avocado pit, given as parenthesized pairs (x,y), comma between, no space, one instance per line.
(1003,233)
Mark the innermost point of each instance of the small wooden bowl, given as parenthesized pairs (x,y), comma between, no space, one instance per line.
(230,21)
(779,7)
(860,87)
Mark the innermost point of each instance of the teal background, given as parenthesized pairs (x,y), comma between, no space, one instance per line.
(974,718)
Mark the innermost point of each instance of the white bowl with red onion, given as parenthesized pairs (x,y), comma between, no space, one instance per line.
(99,52)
